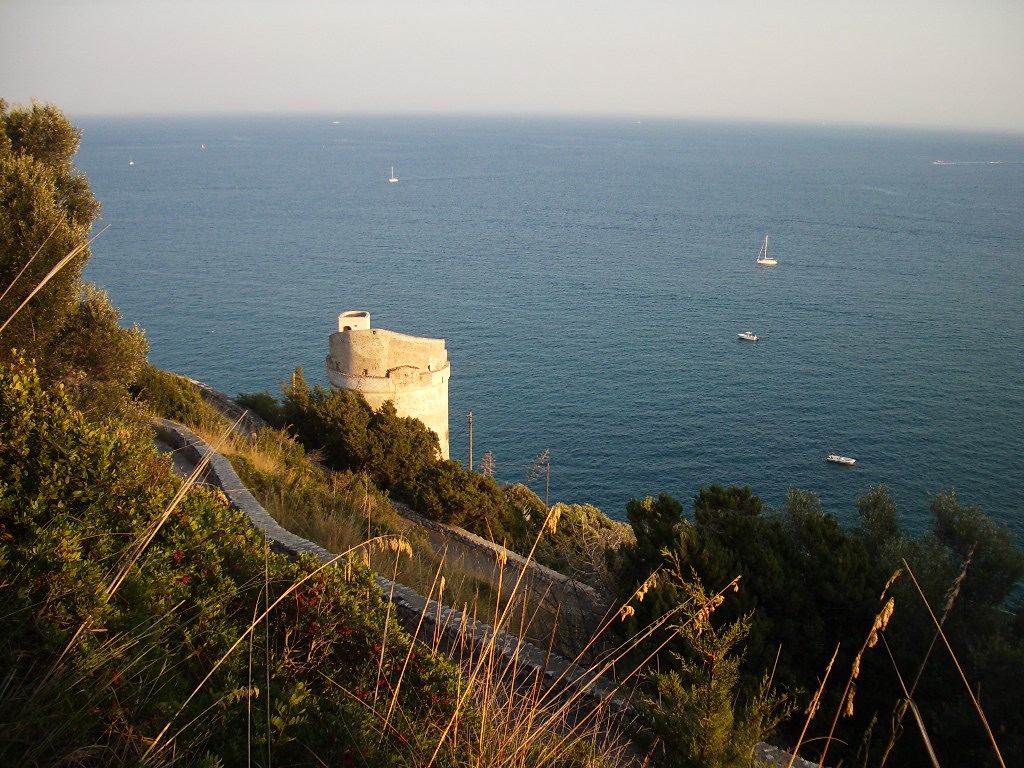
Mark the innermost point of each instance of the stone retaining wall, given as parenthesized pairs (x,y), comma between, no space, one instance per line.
(573,599)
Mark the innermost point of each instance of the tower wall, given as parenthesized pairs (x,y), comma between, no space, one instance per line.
(382,365)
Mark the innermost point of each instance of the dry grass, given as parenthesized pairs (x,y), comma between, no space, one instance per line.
(342,516)
(523,720)
(907,704)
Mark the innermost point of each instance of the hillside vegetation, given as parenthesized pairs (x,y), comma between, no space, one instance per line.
(810,599)
(145,622)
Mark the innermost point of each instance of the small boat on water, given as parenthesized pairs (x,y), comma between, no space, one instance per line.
(762,256)
(747,336)
(835,458)
(393,178)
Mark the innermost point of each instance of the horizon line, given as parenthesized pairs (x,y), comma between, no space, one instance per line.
(638,118)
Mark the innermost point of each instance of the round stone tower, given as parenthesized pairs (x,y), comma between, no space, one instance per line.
(410,371)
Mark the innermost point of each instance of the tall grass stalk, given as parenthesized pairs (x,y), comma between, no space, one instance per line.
(908,694)
(49,276)
(524,720)
(812,709)
(501,703)
(956,663)
(845,706)
(17,277)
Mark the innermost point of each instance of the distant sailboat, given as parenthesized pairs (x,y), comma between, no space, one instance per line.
(393,178)
(130,161)
(762,256)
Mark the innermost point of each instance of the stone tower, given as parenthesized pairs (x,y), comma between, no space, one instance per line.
(410,371)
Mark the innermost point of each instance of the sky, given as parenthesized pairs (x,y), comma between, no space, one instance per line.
(921,63)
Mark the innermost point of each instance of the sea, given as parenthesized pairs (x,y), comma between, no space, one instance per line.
(590,277)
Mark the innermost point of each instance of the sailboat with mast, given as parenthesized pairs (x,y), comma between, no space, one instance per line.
(393,179)
(762,257)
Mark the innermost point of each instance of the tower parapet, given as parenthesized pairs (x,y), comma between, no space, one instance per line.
(410,371)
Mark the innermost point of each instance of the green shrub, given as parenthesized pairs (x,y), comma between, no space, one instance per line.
(170,396)
(326,662)
(264,405)
(46,211)
(448,493)
(694,709)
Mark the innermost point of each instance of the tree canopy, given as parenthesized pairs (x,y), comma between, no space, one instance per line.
(46,213)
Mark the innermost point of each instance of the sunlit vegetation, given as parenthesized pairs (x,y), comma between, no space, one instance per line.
(145,621)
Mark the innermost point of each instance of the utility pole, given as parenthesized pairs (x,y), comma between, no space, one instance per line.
(470,441)
(547,485)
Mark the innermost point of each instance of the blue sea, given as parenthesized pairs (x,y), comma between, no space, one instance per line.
(590,278)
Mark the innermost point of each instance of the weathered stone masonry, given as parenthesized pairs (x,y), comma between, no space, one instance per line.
(410,371)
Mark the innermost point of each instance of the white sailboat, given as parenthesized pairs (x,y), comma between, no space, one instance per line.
(762,256)
(130,161)
(393,178)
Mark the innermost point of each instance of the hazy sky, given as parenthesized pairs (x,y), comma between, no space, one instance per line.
(943,63)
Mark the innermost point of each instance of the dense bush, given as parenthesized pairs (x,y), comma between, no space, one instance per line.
(392,449)
(575,539)
(46,211)
(100,654)
(171,396)
(697,716)
(400,455)
(810,586)
(448,493)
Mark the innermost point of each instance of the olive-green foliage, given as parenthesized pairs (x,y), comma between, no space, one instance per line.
(982,621)
(96,356)
(579,541)
(75,499)
(264,405)
(809,585)
(878,523)
(171,397)
(401,449)
(448,493)
(804,579)
(351,435)
(46,211)
(696,717)
(400,455)
(656,524)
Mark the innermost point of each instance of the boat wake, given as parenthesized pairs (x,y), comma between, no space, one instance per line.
(968,162)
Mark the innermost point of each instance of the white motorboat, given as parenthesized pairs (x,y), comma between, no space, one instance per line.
(835,458)
(747,336)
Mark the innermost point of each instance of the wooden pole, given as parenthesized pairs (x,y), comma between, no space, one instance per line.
(547,485)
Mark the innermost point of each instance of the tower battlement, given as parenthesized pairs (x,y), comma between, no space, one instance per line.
(381,365)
